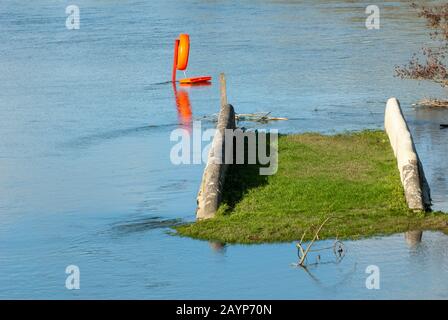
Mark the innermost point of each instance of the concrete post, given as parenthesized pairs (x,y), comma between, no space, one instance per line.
(409,165)
(209,196)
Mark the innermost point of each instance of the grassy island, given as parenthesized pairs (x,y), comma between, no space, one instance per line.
(352,178)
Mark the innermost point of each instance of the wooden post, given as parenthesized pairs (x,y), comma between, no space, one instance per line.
(222,81)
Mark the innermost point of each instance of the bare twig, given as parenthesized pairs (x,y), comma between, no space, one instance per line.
(304,253)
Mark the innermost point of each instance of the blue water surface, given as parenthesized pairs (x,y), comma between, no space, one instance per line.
(85,124)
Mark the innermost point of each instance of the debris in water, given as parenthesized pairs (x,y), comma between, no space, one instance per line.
(262,117)
(433,103)
(257,117)
(338,249)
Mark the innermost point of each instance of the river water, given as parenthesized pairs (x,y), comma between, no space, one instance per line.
(85,121)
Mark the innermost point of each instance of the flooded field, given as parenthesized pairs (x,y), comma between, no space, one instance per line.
(85,123)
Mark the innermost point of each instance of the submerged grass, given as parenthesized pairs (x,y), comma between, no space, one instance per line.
(351,178)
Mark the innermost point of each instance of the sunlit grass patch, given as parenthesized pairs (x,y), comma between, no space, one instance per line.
(352,178)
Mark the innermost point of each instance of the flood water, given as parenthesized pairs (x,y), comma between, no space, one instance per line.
(85,121)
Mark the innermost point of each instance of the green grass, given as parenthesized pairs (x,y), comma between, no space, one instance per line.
(352,178)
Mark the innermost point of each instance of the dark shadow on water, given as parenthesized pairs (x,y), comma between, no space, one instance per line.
(93,139)
(156,285)
(143,225)
(149,86)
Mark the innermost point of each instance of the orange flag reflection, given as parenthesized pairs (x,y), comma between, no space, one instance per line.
(183,104)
